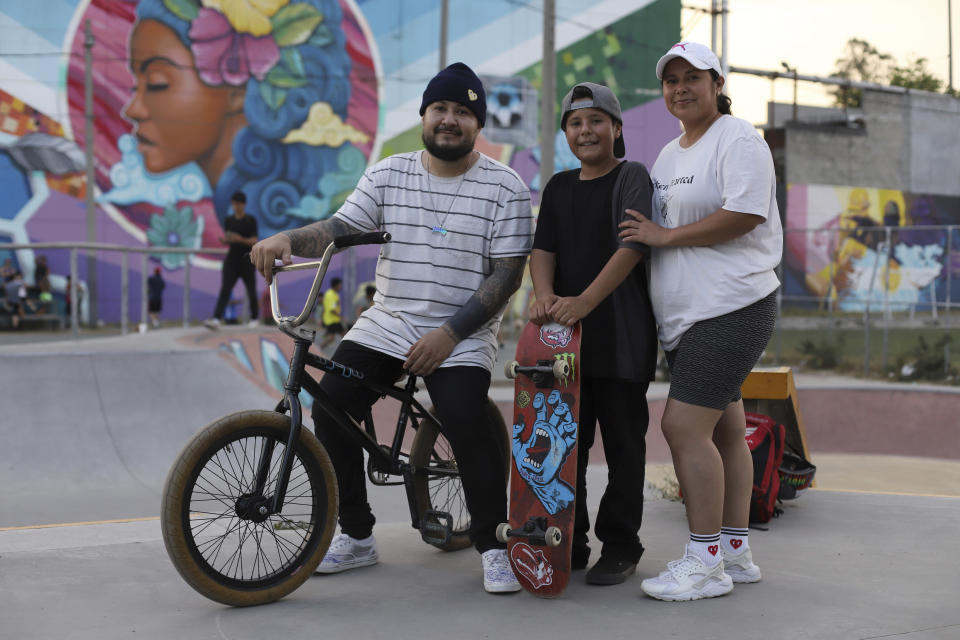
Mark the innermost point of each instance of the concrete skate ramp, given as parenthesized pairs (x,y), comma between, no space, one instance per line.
(90,437)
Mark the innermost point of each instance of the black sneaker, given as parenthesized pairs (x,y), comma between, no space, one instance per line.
(609,570)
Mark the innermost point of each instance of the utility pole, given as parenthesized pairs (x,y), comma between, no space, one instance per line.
(548,93)
(91,175)
(444,19)
(950,45)
(723,40)
(714,9)
(792,70)
(718,22)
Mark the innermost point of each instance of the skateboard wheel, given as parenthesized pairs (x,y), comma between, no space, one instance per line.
(561,369)
(502,530)
(554,536)
(511,369)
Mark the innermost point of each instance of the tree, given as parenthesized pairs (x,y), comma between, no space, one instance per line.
(915,76)
(861,62)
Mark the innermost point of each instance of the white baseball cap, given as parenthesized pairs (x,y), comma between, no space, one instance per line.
(700,56)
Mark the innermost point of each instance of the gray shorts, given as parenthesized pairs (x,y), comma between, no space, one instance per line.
(715,356)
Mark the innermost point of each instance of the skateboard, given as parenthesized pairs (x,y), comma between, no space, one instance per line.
(543,473)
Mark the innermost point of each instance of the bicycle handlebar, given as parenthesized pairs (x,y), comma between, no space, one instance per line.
(339,243)
(354,239)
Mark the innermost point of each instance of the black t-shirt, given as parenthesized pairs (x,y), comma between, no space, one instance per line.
(577,224)
(246,227)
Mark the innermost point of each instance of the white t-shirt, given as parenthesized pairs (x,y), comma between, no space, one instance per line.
(730,167)
(423,276)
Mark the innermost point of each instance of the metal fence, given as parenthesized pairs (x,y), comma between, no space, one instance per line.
(877,278)
(74,248)
(874,278)
(872,269)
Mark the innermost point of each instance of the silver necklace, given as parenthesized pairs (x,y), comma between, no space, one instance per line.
(440,228)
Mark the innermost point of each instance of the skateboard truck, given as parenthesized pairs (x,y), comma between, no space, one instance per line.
(534,530)
(543,373)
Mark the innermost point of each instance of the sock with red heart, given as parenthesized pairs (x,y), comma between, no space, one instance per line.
(706,546)
(734,540)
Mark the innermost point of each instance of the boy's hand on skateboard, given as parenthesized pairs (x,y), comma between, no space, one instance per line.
(540,309)
(567,311)
(266,252)
(429,352)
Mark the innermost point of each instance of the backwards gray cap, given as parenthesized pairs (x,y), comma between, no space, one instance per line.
(602,99)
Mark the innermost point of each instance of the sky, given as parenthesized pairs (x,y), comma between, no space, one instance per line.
(811,34)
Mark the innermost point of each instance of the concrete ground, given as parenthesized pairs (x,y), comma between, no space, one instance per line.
(91,426)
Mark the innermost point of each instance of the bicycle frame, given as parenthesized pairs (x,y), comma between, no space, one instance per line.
(411,411)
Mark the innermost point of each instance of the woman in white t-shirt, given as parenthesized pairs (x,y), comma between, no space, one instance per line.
(717,240)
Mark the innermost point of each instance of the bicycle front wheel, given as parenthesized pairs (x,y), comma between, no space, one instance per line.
(437,480)
(211,519)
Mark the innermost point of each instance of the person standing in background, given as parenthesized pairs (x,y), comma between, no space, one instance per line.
(240,234)
(330,318)
(155,287)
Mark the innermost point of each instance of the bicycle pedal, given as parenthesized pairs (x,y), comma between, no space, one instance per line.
(436,527)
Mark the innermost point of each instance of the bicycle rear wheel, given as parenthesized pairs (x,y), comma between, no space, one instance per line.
(436,487)
(213,531)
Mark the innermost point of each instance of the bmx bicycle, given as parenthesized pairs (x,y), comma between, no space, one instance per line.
(250,505)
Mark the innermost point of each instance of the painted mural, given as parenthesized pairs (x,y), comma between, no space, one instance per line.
(855,246)
(285,100)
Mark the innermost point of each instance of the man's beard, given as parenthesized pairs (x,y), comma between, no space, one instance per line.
(448,154)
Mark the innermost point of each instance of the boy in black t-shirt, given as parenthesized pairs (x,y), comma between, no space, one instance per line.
(240,233)
(582,271)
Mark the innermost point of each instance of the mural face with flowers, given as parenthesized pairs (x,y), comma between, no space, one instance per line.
(202,98)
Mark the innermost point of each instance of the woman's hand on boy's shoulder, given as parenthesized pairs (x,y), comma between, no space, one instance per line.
(642,229)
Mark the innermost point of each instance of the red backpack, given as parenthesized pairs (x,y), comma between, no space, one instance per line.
(766,438)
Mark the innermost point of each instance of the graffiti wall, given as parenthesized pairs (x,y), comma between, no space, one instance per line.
(856,246)
(287,101)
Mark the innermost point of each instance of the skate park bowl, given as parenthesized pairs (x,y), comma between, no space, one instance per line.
(91,427)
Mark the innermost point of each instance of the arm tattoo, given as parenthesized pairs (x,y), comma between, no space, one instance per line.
(311,241)
(490,298)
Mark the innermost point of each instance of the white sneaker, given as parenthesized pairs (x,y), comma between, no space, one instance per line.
(740,566)
(348,553)
(688,579)
(497,573)
(253,323)
(212,323)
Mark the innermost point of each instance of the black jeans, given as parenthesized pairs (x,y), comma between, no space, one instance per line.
(459,395)
(234,268)
(620,406)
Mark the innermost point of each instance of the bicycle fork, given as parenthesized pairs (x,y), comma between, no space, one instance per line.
(291,398)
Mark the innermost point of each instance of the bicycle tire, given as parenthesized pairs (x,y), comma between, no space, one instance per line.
(429,449)
(210,544)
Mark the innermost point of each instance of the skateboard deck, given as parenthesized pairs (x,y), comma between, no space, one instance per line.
(543,470)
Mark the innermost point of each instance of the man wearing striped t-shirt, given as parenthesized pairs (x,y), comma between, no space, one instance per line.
(461,230)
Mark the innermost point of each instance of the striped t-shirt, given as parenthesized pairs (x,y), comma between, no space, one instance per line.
(424,275)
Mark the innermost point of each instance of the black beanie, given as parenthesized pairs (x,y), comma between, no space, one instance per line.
(460,84)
